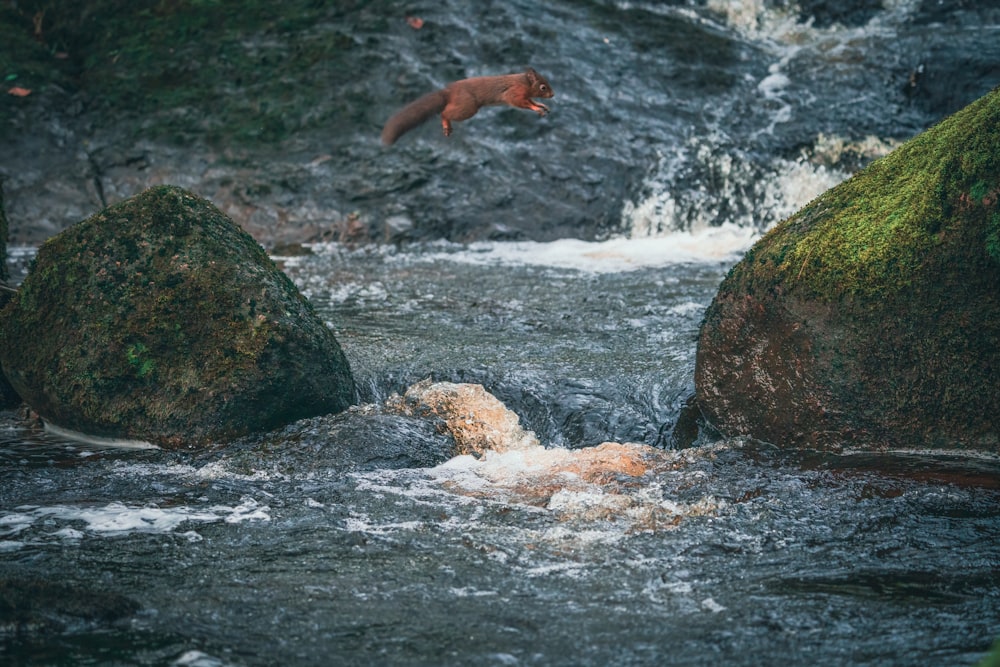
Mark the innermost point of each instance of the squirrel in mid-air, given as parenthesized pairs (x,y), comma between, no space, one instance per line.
(462,99)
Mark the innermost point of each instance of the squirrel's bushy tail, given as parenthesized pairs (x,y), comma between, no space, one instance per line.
(413,114)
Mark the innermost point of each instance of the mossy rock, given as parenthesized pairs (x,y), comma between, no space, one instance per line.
(4,275)
(8,397)
(871,318)
(159,319)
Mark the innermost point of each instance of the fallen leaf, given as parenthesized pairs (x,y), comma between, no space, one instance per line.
(17,91)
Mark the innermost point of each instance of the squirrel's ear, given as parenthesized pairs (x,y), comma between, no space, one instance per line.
(532,74)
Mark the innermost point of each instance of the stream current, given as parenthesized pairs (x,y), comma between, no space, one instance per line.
(682,130)
(723,552)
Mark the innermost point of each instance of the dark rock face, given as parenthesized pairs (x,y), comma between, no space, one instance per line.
(276,117)
(159,319)
(8,397)
(3,236)
(871,318)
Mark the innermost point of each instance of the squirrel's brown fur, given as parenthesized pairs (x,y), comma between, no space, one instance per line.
(462,99)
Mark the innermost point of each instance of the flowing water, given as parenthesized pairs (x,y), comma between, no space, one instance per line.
(566,552)
(723,552)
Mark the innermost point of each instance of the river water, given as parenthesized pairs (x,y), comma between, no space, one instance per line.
(723,552)
(292,549)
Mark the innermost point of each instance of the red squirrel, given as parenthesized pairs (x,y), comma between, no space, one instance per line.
(461,100)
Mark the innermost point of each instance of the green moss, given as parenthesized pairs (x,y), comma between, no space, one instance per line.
(872,312)
(993,238)
(138,357)
(979,191)
(992,659)
(167,318)
(869,235)
(3,239)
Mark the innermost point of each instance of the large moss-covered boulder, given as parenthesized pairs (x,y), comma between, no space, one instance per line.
(3,236)
(159,319)
(8,397)
(871,318)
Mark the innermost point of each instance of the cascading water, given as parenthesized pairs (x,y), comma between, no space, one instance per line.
(361,539)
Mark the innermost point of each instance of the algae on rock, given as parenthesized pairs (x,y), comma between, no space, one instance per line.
(159,319)
(8,397)
(871,318)
(4,275)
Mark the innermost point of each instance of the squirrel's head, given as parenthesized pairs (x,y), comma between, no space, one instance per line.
(539,85)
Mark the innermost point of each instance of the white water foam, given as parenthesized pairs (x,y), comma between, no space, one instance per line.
(763,22)
(760,199)
(194,658)
(707,180)
(592,491)
(724,243)
(116,518)
(97,440)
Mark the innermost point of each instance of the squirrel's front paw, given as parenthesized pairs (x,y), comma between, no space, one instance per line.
(541,109)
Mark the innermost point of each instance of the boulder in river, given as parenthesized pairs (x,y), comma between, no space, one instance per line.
(159,319)
(8,397)
(475,418)
(871,318)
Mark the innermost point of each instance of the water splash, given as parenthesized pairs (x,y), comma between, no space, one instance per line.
(707,183)
(500,461)
(42,524)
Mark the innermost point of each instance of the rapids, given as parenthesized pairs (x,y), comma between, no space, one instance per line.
(564,264)
(565,552)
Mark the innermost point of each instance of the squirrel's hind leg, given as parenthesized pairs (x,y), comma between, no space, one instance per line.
(446,126)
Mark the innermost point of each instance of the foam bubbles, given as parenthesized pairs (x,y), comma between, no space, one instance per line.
(116,518)
(195,658)
(592,485)
(97,440)
(745,199)
(617,255)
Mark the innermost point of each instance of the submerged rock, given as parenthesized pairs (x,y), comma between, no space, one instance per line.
(871,318)
(475,418)
(355,440)
(159,319)
(497,458)
(35,606)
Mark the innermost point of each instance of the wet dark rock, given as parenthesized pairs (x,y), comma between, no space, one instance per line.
(871,318)
(4,274)
(690,425)
(824,13)
(8,397)
(276,116)
(291,250)
(358,439)
(31,606)
(159,319)
(938,79)
(474,417)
